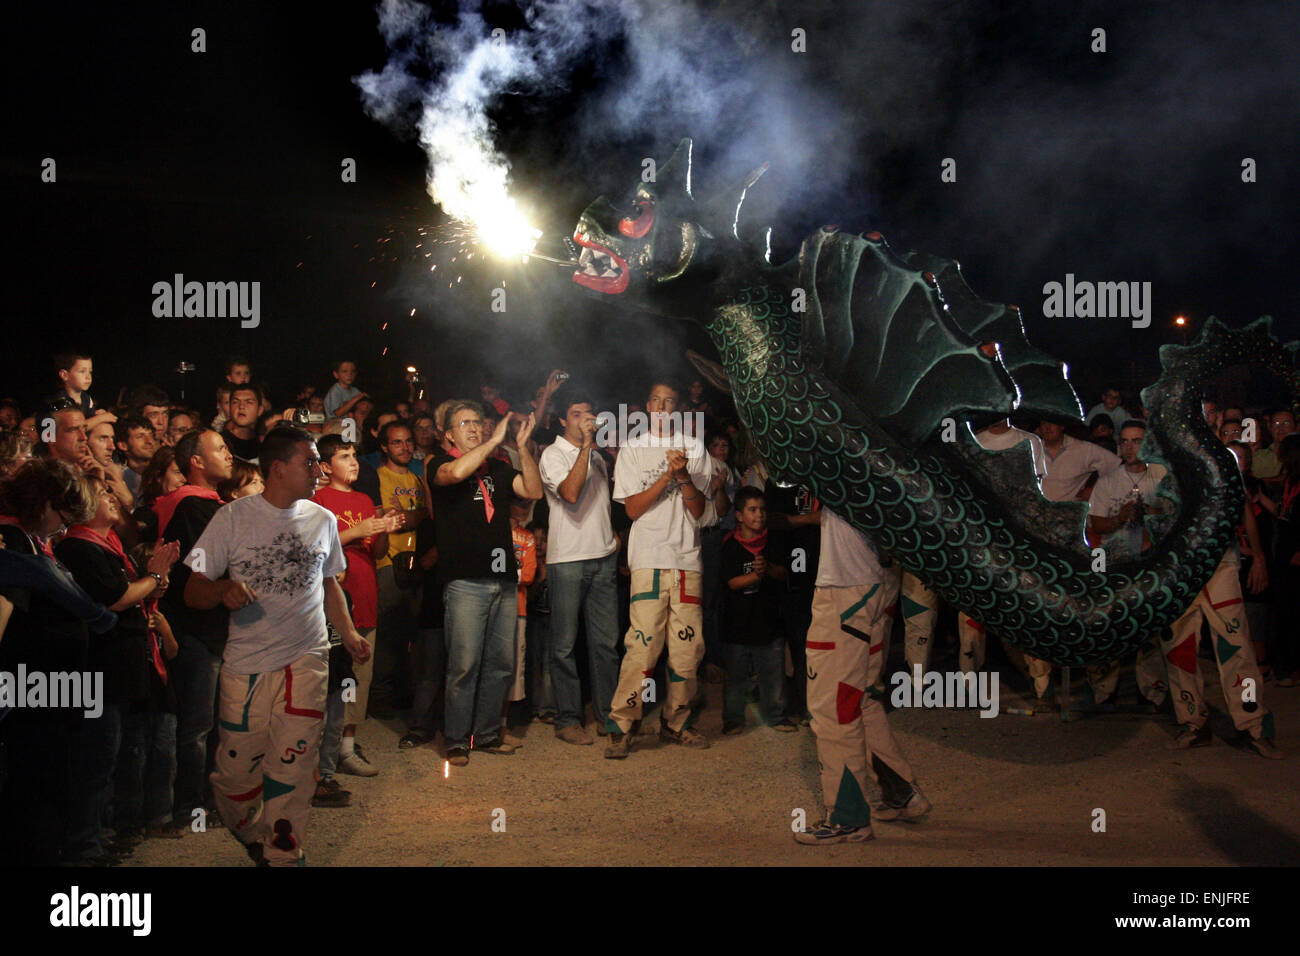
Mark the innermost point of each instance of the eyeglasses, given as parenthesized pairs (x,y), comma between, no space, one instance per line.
(470,423)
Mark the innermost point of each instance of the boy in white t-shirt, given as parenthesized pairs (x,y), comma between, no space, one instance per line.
(272,560)
(661,478)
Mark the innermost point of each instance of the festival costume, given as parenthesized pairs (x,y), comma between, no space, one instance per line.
(1220,604)
(666,597)
(271,727)
(846,644)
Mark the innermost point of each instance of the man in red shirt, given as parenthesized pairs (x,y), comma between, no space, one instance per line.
(364,536)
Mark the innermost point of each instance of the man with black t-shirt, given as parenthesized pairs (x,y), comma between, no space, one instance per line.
(471,493)
(240,433)
(204,459)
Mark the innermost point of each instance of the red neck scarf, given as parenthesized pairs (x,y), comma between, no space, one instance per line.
(111,542)
(754,546)
(40,543)
(488,508)
(165,506)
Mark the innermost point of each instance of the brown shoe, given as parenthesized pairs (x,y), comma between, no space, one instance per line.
(618,746)
(575,735)
(686,737)
(327,796)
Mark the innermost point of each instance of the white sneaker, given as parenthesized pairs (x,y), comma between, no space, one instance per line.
(357,765)
(915,807)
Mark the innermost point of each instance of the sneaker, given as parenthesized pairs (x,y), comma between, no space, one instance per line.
(618,747)
(356,764)
(575,735)
(412,739)
(785,726)
(512,740)
(327,796)
(1264,747)
(495,746)
(913,808)
(827,833)
(686,737)
(730,728)
(458,756)
(1194,737)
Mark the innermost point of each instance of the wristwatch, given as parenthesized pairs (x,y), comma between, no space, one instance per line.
(162,583)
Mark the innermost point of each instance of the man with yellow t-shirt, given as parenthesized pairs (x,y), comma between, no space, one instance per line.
(397,572)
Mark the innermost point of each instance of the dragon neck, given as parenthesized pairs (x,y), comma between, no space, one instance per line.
(919,505)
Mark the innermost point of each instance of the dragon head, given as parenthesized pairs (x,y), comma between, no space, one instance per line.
(657,253)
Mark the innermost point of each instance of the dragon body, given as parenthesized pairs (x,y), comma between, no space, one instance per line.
(851,365)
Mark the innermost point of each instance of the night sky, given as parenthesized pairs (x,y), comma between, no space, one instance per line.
(225,166)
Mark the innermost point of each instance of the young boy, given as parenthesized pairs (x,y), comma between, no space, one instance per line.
(343,394)
(364,536)
(76,372)
(751,632)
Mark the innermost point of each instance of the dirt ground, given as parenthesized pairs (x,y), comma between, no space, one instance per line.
(1009,790)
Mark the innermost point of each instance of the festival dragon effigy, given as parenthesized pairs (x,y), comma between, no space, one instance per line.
(856,371)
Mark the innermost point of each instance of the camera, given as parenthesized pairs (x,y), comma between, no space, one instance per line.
(184,367)
(302,417)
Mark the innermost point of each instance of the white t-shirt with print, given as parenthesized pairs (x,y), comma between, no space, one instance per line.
(283,555)
(666,536)
(579,531)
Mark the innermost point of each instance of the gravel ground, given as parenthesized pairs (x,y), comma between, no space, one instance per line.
(1009,790)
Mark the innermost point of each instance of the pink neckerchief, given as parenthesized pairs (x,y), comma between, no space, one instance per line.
(488,508)
(166,506)
(37,540)
(111,542)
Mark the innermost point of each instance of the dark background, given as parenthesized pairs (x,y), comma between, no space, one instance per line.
(225,166)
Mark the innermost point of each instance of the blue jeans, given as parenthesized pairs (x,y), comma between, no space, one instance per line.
(537,662)
(711,560)
(765,660)
(92,787)
(590,587)
(480,624)
(391,679)
(430,683)
(332,733)
(146,770)
(195,671)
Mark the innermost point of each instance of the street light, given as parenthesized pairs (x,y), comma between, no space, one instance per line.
(1181,322)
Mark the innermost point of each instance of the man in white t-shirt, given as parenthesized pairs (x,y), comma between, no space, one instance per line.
(972,640)
(582,566)
(852,615)
(1119,500)
(272,560)
(1069,464)
(662,478)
